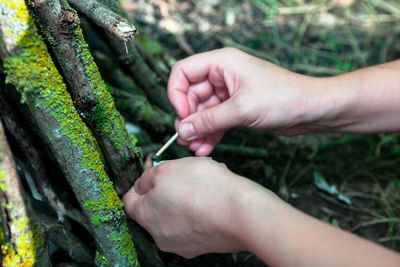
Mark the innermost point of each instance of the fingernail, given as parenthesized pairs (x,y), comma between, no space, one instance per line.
(186,131)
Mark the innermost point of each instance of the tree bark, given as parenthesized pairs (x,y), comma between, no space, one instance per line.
(136,66)
(106,18)
(24,244)
(30,69)
(59,24)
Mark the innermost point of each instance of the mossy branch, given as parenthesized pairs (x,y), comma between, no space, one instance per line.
(25,244)
(106,18)
(136,66)
(31,153)
(60,26)
(137,109)
(30,68)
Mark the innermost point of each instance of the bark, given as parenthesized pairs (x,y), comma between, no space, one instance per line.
(30,69)
(136,66)
(25,243)
(137,109)
(106,18)
(60,26)
(32,155)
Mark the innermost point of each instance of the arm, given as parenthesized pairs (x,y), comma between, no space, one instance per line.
(215,91)
(363,101)
(193,206)
(292,238)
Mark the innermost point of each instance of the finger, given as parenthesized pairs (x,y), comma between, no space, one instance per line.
(130,200)
(191,70)
(182,142)
(201,91)
(208,145)
(209,103)
(145,182)
(219,118)
(196,144)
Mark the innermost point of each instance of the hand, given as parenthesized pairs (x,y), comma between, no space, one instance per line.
(215,91)
(191,206)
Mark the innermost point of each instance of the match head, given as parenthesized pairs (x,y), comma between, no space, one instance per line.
(156,158)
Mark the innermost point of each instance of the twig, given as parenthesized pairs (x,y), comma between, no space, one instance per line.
(373,222)
(317,70)
(33,157)
(136,108)
(60,26)
(106,18)
(388,239)
(26,244)
(230,42)
(72,143)
(137,68)
(241,150)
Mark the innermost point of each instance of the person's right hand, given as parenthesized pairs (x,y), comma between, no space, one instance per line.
(215,91)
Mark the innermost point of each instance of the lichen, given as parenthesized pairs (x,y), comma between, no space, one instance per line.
(27,244)
(105,116)
(3,185)
(124,246)
(100,260)
(37,79)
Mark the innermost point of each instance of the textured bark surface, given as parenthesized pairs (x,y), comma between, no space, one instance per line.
(61,27)
(23,242)
(136,66)
(106,18)
(30,69)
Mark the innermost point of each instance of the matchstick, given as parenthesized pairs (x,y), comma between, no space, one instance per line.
(156,157)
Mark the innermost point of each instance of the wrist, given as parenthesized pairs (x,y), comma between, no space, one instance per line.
(326,103)
(258,214)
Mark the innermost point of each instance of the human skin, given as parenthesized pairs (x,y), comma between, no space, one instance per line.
(193,206)
(215,91)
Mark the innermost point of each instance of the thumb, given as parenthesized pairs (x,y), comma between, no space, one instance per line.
(219,118)
(130,200)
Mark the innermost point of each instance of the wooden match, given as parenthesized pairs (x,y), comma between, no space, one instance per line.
(156,157)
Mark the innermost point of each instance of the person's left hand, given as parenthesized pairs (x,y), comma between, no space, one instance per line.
(190,206)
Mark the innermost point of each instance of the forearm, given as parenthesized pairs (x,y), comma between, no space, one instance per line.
(283,236)
(364,101)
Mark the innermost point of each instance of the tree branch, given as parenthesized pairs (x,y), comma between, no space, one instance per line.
(30,68)
(60,26)
(26,244)
(138,109)
(136,66)
(106,18)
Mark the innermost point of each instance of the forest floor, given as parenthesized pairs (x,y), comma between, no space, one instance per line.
(318,38)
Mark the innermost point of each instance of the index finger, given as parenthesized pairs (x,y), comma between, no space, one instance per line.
(188,71)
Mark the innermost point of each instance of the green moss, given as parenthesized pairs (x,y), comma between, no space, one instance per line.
(28,244)
(124,246)
(97,219)
(37,79)
(105,117)
(100,260)
(3,185)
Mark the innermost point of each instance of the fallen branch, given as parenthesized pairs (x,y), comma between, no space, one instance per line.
(25,243)
(241,151)
(136,66)
(32,155)
(60,26)
(106,18)
(30,69)
(137,109)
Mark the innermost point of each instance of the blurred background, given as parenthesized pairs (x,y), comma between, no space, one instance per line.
(350,181)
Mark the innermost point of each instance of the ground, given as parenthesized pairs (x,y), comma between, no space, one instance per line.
(319,38)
